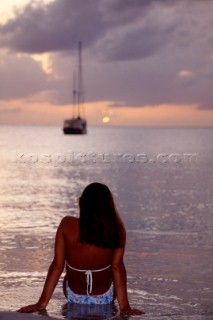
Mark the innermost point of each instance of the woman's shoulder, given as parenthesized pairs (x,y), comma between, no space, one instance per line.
(69,227)
(69,218)
(68,221)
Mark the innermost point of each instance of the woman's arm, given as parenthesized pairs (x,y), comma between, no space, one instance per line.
(120,283)
(55,270)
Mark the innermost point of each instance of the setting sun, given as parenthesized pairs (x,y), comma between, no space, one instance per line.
(105,119)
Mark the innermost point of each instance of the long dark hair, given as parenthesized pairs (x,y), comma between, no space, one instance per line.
(100,223)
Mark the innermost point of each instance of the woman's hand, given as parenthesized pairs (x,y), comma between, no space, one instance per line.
(131,312)
(31,308)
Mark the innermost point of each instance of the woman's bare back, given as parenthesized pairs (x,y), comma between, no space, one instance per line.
(86,257)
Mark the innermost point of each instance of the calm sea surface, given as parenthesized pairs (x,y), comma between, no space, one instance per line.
(162,183)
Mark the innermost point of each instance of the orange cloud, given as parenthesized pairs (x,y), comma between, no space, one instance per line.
(19,112)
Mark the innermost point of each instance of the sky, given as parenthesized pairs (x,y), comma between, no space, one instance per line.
(145,62)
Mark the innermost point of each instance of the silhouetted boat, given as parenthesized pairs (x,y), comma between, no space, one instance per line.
(77,124)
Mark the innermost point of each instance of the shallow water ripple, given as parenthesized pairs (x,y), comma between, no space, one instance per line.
(167,209)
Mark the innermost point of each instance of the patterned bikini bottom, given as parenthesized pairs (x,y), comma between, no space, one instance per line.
(105,298)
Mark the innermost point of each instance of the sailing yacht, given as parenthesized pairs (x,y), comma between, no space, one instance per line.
(77,124)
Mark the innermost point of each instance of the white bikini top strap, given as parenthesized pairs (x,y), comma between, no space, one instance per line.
(82,270)
(89,278)
(89,281)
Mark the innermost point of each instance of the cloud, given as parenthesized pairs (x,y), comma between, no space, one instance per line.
(54,27)
(185,73)
(21,77)
(136,52)
(60,24)
(10,110)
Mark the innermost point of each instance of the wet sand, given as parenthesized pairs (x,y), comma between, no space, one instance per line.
(8,315)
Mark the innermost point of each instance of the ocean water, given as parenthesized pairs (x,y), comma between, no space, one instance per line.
(161,179)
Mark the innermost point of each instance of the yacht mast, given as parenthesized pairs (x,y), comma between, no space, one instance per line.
(79,93)
(74,94)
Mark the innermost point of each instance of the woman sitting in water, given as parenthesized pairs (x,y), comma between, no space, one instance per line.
(92,248)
